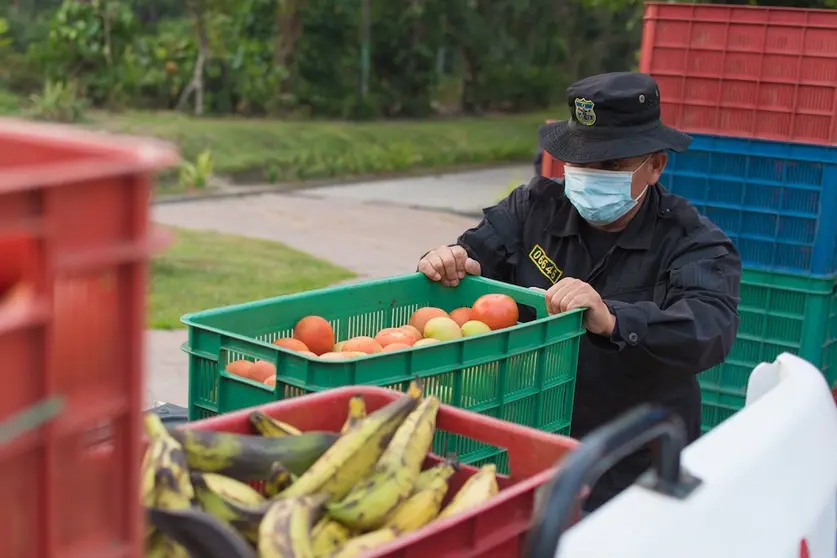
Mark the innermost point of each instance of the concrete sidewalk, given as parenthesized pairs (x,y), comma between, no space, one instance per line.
(465,193)
(371,240)
(167,367)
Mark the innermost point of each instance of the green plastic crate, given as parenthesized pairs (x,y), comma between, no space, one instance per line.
(779,313)
(523,374)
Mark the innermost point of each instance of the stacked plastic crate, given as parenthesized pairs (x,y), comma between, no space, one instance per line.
(757,89)
(75,242)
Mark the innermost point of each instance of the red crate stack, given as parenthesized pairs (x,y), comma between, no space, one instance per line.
(759,72)
(74,245)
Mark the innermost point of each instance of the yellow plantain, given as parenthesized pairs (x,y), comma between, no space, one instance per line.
(154,427)
(245,457)
(445,469)
(244,517)
(416,389)
(357,412)
(285,531)
(364,543)
(169,495)
(394,477)
(271,427)
(162,546)
(200,533)
(233,489)
(163,453)
(167,491)
(148,469)
(155,432)
(478,489)
(148,477)
(419,509)
(169,487)
(354,454)
(278,480)
(327,537)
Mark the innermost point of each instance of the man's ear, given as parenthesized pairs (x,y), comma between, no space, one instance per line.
(657,165)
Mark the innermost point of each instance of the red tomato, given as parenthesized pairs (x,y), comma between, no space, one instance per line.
(497,311)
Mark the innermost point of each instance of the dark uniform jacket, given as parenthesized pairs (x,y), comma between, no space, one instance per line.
(671,278)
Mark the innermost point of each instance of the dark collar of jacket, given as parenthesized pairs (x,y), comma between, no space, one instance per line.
(659,205)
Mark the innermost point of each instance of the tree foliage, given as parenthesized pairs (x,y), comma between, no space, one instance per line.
(282,57)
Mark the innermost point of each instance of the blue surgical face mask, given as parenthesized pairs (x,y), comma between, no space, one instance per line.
(600,196)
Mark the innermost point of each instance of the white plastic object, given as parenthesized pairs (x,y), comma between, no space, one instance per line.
(769,481)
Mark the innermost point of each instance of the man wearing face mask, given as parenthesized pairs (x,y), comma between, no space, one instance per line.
(659,282)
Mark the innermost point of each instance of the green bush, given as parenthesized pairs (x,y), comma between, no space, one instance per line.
(10,103)
(156,67)
(429,56)
(196,176)
(88,40)
(306,58)
(18,72)
(58,102)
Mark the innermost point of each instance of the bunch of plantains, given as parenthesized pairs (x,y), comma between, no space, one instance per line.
(321,494)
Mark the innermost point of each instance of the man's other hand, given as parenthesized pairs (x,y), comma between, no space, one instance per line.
(448,264)
(569,294)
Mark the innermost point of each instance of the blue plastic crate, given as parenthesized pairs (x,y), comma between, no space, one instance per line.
(777,201)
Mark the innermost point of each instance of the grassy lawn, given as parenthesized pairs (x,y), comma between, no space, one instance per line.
(266,151)
(203,270)
(259,151)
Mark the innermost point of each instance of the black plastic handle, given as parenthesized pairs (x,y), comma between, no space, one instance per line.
(599,451)
(171,414)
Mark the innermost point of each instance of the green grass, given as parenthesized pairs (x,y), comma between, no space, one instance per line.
(203,270)
(260,150)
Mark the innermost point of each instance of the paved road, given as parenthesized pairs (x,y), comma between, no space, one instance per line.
(370,239)
(167,368)
(466,193)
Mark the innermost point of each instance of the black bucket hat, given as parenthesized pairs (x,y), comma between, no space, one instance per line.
(613,116)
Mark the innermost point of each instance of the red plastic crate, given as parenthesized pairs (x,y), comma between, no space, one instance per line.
(551,167)
(746,71)
(495,529)
(74,241)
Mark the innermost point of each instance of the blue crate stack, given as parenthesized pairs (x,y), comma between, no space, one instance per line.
(729,75)
(777,201)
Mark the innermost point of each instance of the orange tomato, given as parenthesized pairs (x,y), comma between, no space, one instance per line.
(362,344)
(414,334)
(461,315)
(316,333)
(392,335)
(239,368)
(261,371)
(423,315)
(291,344)
(395,347)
